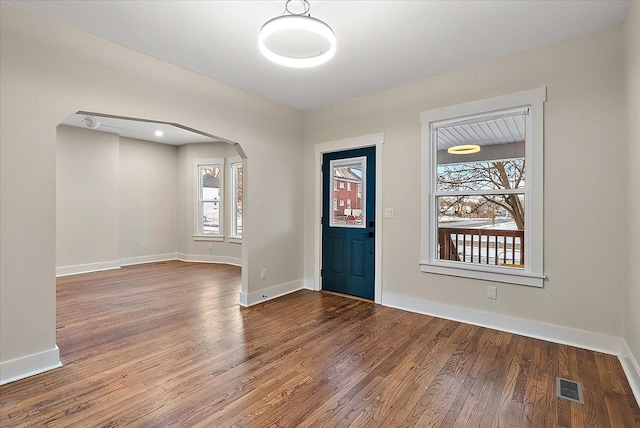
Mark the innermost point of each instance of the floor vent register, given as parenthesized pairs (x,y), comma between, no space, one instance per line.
(569,389)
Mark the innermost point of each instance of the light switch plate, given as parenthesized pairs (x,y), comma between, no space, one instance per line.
(388,213)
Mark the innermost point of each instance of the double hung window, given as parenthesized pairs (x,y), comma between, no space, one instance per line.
(209,198)
(482,189)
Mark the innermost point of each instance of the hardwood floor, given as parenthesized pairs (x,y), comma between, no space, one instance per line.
(163,345)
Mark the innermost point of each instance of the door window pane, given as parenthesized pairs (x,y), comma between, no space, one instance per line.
(351,171)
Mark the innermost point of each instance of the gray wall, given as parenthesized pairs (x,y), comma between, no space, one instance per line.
(87,200)
(148,199)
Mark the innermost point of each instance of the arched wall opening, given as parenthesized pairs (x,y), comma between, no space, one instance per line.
(127,193)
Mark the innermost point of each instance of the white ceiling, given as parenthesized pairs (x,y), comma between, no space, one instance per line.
(381,44)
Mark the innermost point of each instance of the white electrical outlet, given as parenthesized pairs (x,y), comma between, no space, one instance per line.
(211,245)
(144,247)
(263,273)
(388,213)
(492,292)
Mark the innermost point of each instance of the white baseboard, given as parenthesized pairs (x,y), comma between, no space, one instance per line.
(89,267)
(148,259)
(255,297)
(538,330)
(116,264)
(204,258)
(309,284)
(29,365)
(631,369)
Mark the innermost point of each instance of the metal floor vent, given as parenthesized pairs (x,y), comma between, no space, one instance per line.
(569,389)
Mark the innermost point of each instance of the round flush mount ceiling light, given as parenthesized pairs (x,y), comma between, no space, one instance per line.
(296,39)
(158,133)
(464,149)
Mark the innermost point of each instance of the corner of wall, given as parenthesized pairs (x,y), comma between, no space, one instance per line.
(631,369)
(29,365)
(253,298)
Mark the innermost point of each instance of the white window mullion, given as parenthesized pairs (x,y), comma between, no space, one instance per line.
(519,191)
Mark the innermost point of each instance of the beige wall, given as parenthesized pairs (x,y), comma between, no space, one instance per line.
(584,185)
(631,297)
(87,199)
(48,74)
(148,199)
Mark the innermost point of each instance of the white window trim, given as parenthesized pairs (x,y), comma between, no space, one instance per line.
(197,236)
(533,273)
(233,238)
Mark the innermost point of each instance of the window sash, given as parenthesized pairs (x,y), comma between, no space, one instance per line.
(200,165)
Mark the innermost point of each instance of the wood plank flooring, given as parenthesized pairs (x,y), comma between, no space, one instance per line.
(166,345)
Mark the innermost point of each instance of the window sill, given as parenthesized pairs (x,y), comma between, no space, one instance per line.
(216,238)
(495,274)
(235,240)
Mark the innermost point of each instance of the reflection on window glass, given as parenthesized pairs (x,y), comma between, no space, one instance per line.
(348,179)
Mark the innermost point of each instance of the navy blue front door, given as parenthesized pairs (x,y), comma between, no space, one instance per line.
(348,222)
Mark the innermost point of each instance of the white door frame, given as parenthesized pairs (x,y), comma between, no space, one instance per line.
(373,140)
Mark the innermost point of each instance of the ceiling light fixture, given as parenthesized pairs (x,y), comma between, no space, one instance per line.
(464,149)
(296,39)
(158,133)
(90,122)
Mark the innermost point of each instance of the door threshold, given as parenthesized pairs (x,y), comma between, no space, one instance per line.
(349,296)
